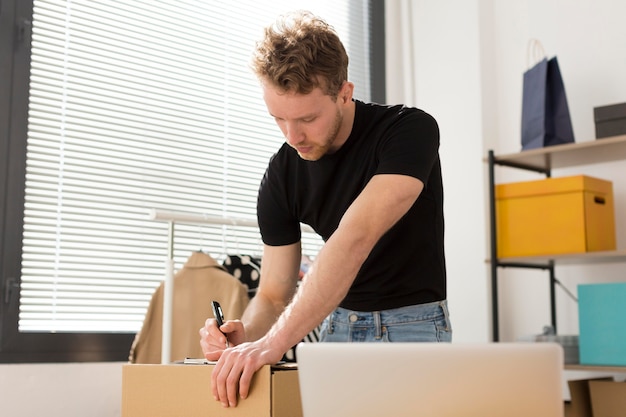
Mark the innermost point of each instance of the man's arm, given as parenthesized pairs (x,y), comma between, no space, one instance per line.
(380,205)
(279,272)
(279,276)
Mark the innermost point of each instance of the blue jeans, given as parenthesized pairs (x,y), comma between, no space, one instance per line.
(428,322)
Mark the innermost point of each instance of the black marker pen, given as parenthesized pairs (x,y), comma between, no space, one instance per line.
(219,316)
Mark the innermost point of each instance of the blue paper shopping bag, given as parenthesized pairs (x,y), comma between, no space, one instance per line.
(545,114)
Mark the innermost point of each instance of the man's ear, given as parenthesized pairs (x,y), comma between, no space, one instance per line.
(346,92)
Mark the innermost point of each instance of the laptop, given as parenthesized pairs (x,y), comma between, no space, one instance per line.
(431,379)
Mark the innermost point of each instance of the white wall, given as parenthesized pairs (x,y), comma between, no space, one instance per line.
(467,59)
(445,81)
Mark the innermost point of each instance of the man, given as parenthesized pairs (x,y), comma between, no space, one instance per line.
(353,172)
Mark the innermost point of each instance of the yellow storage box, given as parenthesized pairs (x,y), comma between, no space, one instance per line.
(555,216)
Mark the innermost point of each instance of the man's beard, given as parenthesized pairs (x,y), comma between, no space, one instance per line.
(321,150)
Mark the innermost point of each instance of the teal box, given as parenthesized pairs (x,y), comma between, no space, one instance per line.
(602,324)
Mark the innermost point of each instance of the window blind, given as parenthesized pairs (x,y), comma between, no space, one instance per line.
(138,105)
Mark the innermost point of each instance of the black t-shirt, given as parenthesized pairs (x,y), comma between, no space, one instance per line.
(407,265)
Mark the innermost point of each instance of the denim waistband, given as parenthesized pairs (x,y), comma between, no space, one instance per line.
(394,316)
(431,316)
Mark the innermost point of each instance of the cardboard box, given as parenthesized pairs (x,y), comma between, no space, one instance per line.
(580,397)
(602,327)
(608,398)
(185,390)
(555,216)
(610,120)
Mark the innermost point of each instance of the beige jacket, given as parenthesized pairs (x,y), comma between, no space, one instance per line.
(201,280)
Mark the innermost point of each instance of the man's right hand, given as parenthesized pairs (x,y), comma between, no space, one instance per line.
(214,340)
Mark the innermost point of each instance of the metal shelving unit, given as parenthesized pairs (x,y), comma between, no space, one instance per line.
(543,161)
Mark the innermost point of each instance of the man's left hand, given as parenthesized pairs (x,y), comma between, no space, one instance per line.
(233,372)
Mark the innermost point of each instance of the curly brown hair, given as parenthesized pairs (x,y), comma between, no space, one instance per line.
(301,52)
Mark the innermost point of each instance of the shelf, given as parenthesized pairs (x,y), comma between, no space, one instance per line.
(544,160)
(570,258)
(570,154)
(595,368)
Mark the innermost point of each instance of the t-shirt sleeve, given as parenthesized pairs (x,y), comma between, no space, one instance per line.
(277,225)
(410,146)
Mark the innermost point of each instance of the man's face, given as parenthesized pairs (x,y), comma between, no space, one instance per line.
(313,124)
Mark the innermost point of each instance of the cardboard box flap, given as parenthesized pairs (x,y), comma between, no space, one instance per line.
(581,397)
(608,398)
(286,399)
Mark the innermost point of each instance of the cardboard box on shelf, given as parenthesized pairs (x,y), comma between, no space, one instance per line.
(608,398)
(602,328)
(580,397)
(185,390)
(610,120)
(555,216)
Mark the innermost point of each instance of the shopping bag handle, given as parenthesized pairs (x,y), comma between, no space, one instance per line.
(535,53)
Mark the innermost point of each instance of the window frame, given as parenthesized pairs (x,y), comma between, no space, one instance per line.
(15,45)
